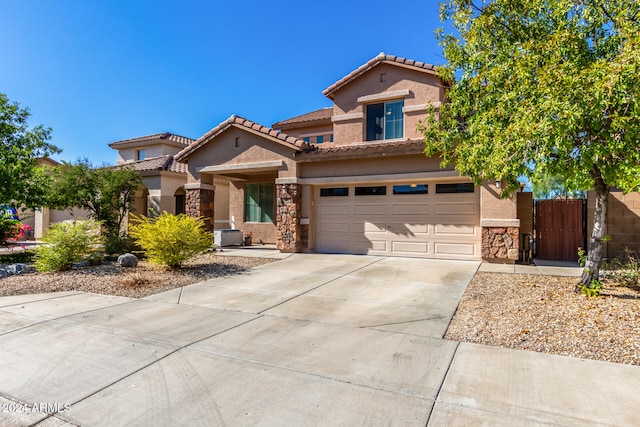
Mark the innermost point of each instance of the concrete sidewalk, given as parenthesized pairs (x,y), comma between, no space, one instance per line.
(309,340)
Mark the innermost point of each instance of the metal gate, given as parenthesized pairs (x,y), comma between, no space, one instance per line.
(559,226)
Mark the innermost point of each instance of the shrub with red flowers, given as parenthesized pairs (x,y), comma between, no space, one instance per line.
(11,230)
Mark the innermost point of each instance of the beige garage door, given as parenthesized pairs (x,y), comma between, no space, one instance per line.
(427,220)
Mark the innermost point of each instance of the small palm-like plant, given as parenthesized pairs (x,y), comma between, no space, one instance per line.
(170,240)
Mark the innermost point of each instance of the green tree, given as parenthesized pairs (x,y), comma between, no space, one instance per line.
(108,193)
(549,87)
(552,187)
(20,179)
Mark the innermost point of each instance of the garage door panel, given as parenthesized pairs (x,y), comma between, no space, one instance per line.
(373,226)
(457,208)
(410,209)
(407,228)
(370,209)
(334,227)
(454,249)
(327,210)
(437,225)
(454,229)
(411,247)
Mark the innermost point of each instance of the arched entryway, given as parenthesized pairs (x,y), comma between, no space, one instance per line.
(180,201)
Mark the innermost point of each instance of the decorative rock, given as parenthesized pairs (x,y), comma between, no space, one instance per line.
(17,269)
(81,264)
(128,260)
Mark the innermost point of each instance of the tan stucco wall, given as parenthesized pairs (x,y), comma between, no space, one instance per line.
(623,222)
(493,206)
(251,148)
(221,205)
(301,132)
(154,150)
(372,166)
(423,88)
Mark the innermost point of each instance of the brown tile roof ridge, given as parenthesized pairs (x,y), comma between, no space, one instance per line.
(234,119)
(381,57)
(159,163)
(183,140)
(368,145)
(321,115)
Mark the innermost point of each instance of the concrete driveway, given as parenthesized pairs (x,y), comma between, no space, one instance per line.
(308,340)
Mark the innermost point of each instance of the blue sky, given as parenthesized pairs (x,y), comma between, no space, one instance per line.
(99,72)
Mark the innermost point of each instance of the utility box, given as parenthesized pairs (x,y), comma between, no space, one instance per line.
(227,237)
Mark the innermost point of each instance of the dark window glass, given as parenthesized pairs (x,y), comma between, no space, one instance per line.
(334,192)
(411,189)
(258,202)
(319,139)
(306,139)
(375,122)
(371,191)
(466,187)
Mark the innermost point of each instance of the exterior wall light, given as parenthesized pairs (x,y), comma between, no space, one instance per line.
(498,183)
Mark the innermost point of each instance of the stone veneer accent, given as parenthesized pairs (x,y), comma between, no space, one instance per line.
(199,203)
(500,243)
(288,235)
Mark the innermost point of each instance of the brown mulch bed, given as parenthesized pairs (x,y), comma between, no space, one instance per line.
(146,279)
(544,314)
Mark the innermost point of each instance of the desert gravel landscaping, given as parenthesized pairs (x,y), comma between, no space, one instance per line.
(528,312)
(146,279)
(544,314)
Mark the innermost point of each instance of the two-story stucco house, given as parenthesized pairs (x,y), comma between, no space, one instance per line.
(352,178)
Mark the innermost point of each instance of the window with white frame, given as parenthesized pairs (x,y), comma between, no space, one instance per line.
(385,120)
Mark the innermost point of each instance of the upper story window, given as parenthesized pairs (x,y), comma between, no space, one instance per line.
(306,139)
(385,120)
(319,139)
(141,154)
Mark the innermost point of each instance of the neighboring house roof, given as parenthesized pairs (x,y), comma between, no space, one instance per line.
(40,161)
(161,163)
(165,137)
(318,117)
(242,123)
(380,59)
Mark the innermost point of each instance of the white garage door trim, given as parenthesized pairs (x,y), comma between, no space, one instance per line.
(378,222)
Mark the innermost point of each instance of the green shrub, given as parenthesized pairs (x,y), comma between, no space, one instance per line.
(116,244)
(17,256)
(593,290)
(68,242)
(170,240)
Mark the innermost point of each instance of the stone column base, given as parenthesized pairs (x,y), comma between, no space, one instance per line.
(500,244)
(199,203)
(288,235)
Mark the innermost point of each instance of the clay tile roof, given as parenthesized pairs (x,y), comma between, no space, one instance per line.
(161,163)
(241,122)
(181,140)
(381,58)
(407,146)
(320,116)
